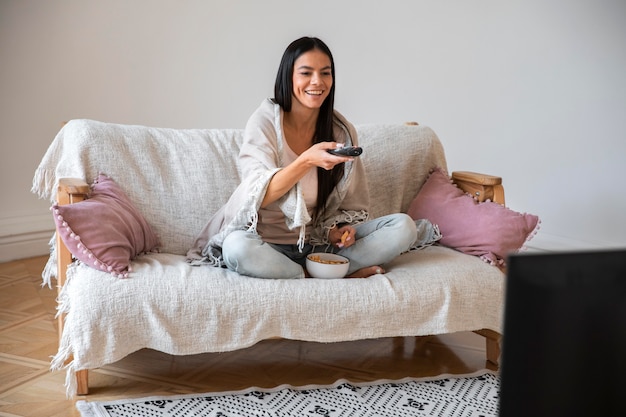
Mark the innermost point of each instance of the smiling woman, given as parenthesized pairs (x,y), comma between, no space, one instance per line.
(296,198)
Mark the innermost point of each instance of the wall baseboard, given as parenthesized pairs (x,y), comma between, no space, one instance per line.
(552,243)
(25,236)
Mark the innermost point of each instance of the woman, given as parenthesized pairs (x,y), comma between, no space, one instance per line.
(296,197)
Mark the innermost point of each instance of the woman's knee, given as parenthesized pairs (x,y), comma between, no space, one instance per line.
(411,230)
(239,246)
(405,230)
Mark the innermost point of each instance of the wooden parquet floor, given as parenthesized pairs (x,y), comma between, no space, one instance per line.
(28,338)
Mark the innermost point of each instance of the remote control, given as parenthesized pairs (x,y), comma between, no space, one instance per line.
(347,151)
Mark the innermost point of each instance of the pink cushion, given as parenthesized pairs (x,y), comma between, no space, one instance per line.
(486,229)
(105,231)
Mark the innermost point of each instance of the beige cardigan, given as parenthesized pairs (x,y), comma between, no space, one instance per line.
(261,156)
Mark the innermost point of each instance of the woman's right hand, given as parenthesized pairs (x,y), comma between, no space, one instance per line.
(318,155)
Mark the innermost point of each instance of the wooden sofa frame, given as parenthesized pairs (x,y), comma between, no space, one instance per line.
(73,190)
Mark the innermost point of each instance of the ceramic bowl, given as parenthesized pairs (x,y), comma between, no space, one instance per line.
(327,265)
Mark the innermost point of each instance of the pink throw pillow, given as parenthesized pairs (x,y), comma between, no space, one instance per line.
(105,231)
(487,229)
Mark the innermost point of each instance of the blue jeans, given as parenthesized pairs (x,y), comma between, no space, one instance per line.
(378,241)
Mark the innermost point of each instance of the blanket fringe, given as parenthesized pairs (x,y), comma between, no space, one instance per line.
(353,217)
(253,220)
(437,233)
(44,182)
(301,238)
(85,409)
(65,352)
(50,270)
(427,234)
(71,385)
(59,362)
(63,299)
(347,216)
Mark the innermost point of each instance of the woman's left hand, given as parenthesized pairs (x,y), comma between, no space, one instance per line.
(342,237)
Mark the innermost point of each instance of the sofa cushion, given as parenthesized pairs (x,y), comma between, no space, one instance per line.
(487,229)
(106,230)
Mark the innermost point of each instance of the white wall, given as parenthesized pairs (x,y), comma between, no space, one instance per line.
(534,91)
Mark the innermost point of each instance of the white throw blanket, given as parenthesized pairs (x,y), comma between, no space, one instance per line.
(173,307)
(178,179)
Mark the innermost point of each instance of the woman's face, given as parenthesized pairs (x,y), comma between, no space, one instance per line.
(312,79)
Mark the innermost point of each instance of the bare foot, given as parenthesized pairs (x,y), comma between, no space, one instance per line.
(367,272)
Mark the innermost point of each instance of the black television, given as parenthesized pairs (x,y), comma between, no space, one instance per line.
(564,336)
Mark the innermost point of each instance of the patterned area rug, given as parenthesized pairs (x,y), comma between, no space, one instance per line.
(475,395)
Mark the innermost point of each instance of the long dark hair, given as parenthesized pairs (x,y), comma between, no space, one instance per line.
(283,94)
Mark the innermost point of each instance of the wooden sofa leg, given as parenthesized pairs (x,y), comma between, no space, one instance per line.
(492,340)
(82,381)
(493,350)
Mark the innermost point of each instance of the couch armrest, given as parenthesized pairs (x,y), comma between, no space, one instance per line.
(69,191)
(481,186)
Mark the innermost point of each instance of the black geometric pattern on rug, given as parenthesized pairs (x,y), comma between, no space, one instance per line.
(476,396)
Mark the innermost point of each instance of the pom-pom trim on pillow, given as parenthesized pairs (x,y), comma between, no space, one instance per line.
(105,231)
(487,230)
(93,260)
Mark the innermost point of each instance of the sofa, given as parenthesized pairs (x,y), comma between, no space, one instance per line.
(147,295)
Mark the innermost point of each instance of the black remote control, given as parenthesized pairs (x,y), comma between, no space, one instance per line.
(347,151)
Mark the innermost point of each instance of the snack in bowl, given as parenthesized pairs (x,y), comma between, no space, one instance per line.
(327,265)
